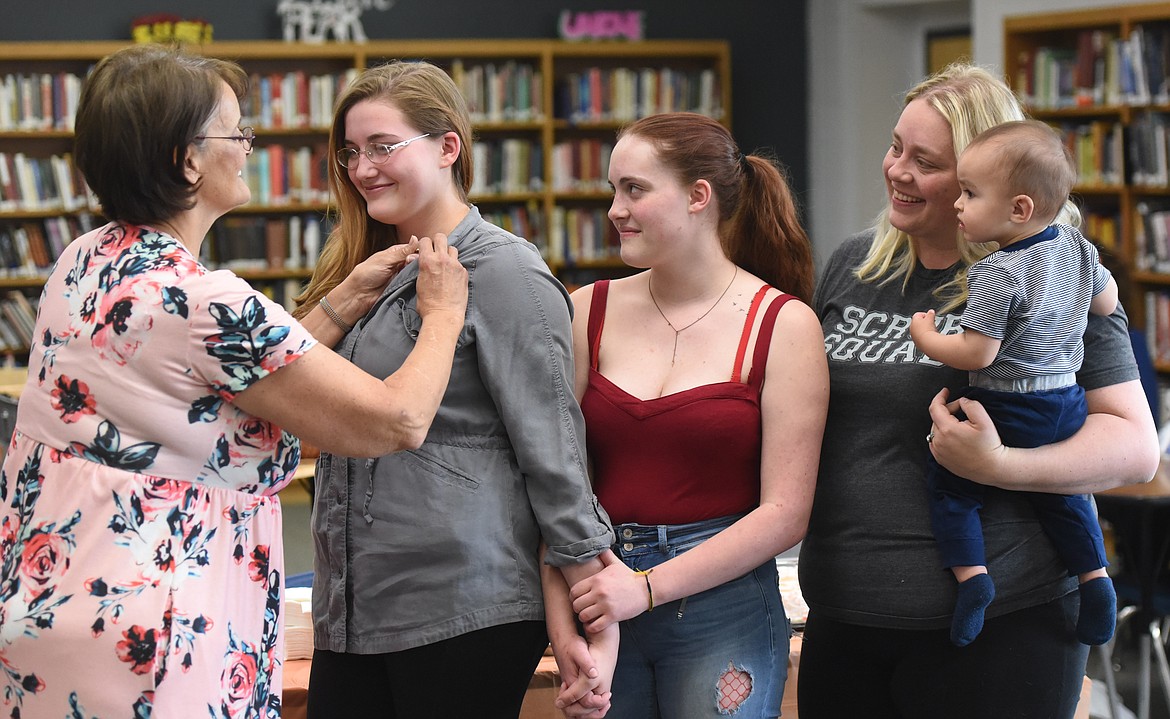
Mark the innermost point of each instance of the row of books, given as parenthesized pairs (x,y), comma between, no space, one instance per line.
(622,94)
(38,101)
(277,175)
(281,175)
(581,165)
(48,101)
(1098,148)
(1107,153)
(289,242)
(18,316)
(1149,63)
(292,99)
(1152,236)
(495,92)
(577,235)
(1158,324)
(582,234)
(1149,149)
(1102,228)
(504,92)
(42,183)
(30,247)
(525,221)
(508,166)
(1101,69)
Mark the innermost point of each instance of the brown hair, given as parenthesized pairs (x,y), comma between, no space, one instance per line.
(1034,161)
(758,223)
(431,103)
(140,110)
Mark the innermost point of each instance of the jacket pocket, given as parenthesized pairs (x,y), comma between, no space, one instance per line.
(443,471)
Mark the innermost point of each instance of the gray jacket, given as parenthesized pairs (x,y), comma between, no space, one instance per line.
(420,546)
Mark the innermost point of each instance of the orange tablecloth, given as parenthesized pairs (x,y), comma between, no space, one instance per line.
(296,688)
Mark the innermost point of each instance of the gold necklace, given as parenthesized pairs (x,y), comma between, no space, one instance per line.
(674,352)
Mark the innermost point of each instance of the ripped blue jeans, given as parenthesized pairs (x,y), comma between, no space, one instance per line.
(719,653)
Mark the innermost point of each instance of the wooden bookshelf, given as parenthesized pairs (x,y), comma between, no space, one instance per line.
(1103,77)
(545,113)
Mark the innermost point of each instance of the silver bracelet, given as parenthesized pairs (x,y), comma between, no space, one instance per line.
(332,313)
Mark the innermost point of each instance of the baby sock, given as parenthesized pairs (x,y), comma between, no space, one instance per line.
(1098,611)
(974,596)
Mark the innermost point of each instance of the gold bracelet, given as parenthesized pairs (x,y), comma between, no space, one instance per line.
(649,590)
(332,313)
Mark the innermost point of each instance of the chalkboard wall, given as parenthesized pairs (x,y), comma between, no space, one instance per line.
(769,93)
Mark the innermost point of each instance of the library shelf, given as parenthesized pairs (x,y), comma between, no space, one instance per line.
(545,114)
(1102,75)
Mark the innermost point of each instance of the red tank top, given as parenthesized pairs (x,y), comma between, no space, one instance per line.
(684,457)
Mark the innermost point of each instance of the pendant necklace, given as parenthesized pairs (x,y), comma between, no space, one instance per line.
(670,324)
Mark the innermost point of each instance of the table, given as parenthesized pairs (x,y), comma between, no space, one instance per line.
(295,702)
(1140,518)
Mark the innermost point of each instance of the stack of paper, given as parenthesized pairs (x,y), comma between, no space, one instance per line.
(790,594)
(298,623)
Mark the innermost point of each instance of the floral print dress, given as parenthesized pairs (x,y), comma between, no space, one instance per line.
(140,533)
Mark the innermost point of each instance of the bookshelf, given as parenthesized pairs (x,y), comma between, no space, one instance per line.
(544,112)
(1101,76)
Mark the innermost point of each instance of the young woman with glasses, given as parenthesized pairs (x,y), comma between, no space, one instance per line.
(427,594)
(141,560)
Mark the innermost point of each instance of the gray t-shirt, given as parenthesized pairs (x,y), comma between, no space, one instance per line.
(870,557)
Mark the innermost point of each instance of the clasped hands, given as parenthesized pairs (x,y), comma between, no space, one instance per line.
(600,601)
(613,595)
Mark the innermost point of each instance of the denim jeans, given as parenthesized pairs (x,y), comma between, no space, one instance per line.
(722,652)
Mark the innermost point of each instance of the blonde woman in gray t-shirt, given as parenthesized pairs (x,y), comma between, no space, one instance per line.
(877,643)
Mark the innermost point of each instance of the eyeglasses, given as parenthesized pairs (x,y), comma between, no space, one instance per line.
(378,153)
(246,137)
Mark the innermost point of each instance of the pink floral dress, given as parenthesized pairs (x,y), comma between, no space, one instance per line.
(140,532)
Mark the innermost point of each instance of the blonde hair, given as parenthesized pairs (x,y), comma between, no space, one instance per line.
(971,100)
(431,103)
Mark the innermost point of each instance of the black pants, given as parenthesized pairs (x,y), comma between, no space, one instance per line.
(1025,664)
(483,674)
